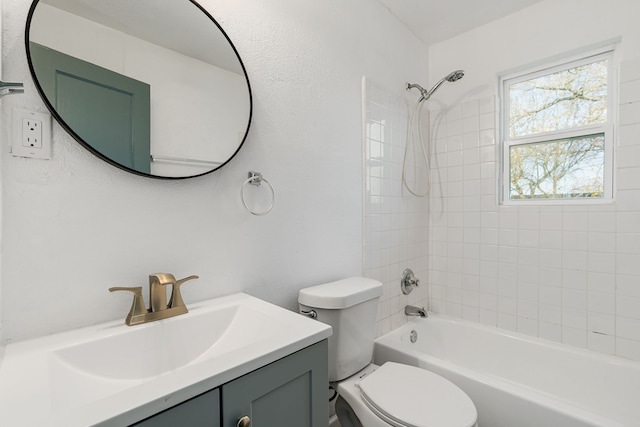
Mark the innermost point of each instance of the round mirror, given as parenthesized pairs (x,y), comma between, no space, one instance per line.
(154,87)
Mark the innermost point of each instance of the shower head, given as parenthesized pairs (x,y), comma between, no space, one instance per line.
(451,77)
(455,76)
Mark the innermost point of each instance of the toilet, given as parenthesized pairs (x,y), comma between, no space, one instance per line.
(392,394)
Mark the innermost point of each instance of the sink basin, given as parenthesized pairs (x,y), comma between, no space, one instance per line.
(147,351)
(119,374)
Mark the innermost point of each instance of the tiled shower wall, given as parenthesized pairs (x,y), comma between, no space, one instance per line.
(569,273)
(395,224)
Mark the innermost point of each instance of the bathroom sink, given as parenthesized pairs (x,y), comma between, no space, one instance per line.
(116,374)
(147,351)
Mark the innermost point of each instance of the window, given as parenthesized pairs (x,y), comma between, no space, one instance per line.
(557,133)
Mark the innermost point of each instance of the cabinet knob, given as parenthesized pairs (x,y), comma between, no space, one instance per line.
(244,422)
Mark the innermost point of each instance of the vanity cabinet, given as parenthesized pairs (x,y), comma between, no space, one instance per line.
(289,392)
(203,410)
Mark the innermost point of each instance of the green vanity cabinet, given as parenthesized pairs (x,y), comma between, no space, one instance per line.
(203,410)
(290,392)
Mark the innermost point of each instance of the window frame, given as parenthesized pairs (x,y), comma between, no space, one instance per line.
(606,128)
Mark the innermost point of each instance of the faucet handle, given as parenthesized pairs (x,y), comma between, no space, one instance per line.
(176,296)
(138,310)
(409,281)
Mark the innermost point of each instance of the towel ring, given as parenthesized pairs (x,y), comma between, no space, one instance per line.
(255,178)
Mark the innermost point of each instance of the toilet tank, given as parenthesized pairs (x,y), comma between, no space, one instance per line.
(350,307)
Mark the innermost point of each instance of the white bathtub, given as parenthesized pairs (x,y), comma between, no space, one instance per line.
(520,381)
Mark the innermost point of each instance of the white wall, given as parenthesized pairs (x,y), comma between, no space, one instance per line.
(74,226)
(565,273)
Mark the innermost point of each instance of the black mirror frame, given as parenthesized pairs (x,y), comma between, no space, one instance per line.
(86,145)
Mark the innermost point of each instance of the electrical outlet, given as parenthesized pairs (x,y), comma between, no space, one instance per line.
(31,133)
(31,136)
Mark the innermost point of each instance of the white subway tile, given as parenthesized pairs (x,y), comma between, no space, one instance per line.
(601,262)
(471,124)
(507,293)
(454,113)
(550,314)
(629,92)
(470,313)
(602,323)
(628,328)
(629,113)
(574,240)
(628,264)
(628,285)
(549,331)
(528,238)
(575,221)
(454,128)
(603,303)
(602,221)
(574,260)
(507,321)
(487,121)
(550,239)
(550,220)
(574,337)
(470,108)
(528,292)
(574,279)
(628,200)
(508,238)
(487,104)
(601,343)
(574,299)
(527,326)
(487,137)
(488,300)
(603,242)
(550,276)
(628,348)
(629,135)
(629,70)
(628,155)
(487,154)
(488,317)
(601,282)
(628,306)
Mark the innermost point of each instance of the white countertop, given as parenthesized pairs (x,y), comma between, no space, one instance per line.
(31,396)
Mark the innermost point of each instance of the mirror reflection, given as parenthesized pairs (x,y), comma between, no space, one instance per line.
(153,86)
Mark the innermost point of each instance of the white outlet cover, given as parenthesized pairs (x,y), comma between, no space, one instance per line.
(19,150)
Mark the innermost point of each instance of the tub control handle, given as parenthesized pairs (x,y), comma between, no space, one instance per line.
(244,422)
(408,282)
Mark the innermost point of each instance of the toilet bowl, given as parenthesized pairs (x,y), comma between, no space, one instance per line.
(392,394)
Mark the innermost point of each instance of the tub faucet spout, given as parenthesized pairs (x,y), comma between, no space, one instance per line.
(410,310)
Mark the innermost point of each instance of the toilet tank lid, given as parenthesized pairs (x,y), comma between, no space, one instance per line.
(341,293)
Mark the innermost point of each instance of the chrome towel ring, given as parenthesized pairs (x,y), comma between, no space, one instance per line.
(255,178)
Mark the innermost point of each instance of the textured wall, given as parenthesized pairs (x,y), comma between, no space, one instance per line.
(74,226)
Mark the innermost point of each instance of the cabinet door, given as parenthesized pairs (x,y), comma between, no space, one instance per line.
(291,392)
(201,411)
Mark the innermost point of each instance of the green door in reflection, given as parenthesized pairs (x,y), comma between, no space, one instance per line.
(107,110)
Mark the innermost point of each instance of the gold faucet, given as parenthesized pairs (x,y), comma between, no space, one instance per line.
(158,307)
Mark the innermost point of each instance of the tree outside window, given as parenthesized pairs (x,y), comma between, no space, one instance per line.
(556,132)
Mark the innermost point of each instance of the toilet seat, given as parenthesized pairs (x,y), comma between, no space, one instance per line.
(407,396)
